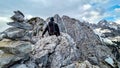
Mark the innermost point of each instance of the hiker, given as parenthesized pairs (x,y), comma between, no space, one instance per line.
(52,28)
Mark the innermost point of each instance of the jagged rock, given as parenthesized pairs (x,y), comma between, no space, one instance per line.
(109,34)
(24,31)
(60,23)
(18,16)
(16,34)
(13,33)
(73,28)
(31,64)
(24,26)
(70,66)
(20,66)
(2,35)
(112,62)
(70,50)
(93,60)
(103,23)
(27,64)
(7,59)
(37,24)
(15,47)
(55,52)
(85,64)
(13,51)
(87,42)
(1,52)
(36,21)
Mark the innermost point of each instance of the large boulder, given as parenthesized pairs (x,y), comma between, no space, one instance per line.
(37,24)
(13,51)
(25,26)
(7,59)
(55,52)
(18,16)
(15,47)
(14,33)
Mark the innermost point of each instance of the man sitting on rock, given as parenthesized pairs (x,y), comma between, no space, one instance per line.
(18,17)
(52,28)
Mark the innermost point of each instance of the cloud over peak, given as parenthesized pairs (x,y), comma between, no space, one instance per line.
(89,10)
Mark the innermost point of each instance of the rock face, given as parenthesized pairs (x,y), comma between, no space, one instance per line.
(109,33)
(88,43)
(85,64)
(13,51)
(77,46)
(25,26)
(56,52)
(110,30)
(18,16)
(15,47)
(60,23)
(24,31)
(37,24)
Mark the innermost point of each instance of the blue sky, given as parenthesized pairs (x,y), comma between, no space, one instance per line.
(88,10)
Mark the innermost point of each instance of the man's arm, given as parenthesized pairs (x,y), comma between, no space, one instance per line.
(45,30)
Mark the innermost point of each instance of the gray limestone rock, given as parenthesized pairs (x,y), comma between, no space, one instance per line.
(25,26)
(18,16)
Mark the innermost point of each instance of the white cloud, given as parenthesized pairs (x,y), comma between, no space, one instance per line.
(118,21)
(86,7)
(91,16)
(28,16)
(4,19)
(117,9)
(101,1)
(89,10)
(94,13)
(37,1)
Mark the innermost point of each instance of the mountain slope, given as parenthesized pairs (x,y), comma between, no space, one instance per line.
(77,46)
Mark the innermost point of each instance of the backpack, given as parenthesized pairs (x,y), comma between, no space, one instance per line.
(51,28)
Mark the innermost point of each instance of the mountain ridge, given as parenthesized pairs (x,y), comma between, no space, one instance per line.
(77,46)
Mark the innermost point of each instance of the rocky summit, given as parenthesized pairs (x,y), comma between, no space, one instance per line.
(78,46)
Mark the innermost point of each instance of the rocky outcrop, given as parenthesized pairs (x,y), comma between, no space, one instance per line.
(37,24)
(56,52)
(85,64)
(77,46)
(60,23)
(87,42)
(109,33)
(15,47)
(24,26)
(13,51)
(18,16)
(23,31)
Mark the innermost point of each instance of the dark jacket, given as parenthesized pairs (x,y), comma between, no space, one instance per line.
(52,29)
